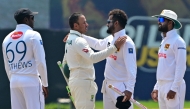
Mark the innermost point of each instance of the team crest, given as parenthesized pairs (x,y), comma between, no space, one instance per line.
(166,47)
(130,50)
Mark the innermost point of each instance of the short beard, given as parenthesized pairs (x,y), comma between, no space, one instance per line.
(163,29)
(110,30)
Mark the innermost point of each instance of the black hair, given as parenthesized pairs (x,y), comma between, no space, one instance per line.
(21,20)
(74,19)
(120,16)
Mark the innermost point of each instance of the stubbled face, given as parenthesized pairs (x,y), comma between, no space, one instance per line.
(110,25)
(163,25)
(82,25)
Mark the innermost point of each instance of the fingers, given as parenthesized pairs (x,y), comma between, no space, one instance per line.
(65,38)
(45,91)
(125,98)
(171,95)
(154,95)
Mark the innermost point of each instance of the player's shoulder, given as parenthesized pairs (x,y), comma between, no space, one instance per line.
(129,40)
(80,40)
(179,40)
(8,37)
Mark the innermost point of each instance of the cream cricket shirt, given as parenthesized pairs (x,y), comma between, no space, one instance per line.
(172,60)
(80,57)
(23,53)
(121,65)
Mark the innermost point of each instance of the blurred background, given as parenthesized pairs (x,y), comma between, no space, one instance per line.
(52,23)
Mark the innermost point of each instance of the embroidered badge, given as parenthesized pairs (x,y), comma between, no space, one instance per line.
(166,46)
(69,42)
(130,50)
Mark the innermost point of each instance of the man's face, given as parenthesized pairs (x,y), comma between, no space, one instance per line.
(82,25)
(110,25)
(162,24)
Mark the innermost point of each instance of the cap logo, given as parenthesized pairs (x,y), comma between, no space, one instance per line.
(16,35)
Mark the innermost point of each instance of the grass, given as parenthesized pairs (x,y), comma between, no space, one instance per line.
(99,105)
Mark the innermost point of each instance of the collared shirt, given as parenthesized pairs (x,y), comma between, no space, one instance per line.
(23,53)
(80,57)
(172,59)
(121,65)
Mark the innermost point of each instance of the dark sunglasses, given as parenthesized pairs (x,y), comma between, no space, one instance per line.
(109,21)
(161,19)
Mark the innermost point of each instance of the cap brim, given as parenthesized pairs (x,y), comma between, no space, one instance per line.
(34,13)
(177,24)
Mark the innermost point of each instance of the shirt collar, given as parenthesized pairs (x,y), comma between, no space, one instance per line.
(23,26)
(75,32)
(169,34)
(119,34)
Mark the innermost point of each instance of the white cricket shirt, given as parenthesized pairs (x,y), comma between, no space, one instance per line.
(121,65)
(23,53)
(172,60)
(80,57)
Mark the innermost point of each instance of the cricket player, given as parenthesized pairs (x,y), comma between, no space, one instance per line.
(170,87)
(25,63)
(121,68)
(80,58)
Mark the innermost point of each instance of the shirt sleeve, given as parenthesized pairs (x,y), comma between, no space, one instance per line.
(7,69)
(156,86)
(39,55)
(129,53)
(97,44)
(84,50)
(180,58)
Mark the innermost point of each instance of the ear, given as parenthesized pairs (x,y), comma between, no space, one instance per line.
(116,23)
(25,20)
(75,25)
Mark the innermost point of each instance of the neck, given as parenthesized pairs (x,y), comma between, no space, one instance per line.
(116,30)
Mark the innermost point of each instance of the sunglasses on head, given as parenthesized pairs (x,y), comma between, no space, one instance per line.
(109,21)
(161,19)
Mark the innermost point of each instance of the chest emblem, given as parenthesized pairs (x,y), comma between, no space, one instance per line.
(166,47)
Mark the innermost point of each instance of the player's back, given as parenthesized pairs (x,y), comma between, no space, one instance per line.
(18,47)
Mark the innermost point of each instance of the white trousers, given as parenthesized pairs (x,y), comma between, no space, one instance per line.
(83,93)
(110,96)
(177,102)
(26,92)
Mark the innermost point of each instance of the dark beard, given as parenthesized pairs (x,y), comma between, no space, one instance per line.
(110,30)
(163,28)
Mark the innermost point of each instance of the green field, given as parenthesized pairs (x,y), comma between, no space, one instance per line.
(99,105)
